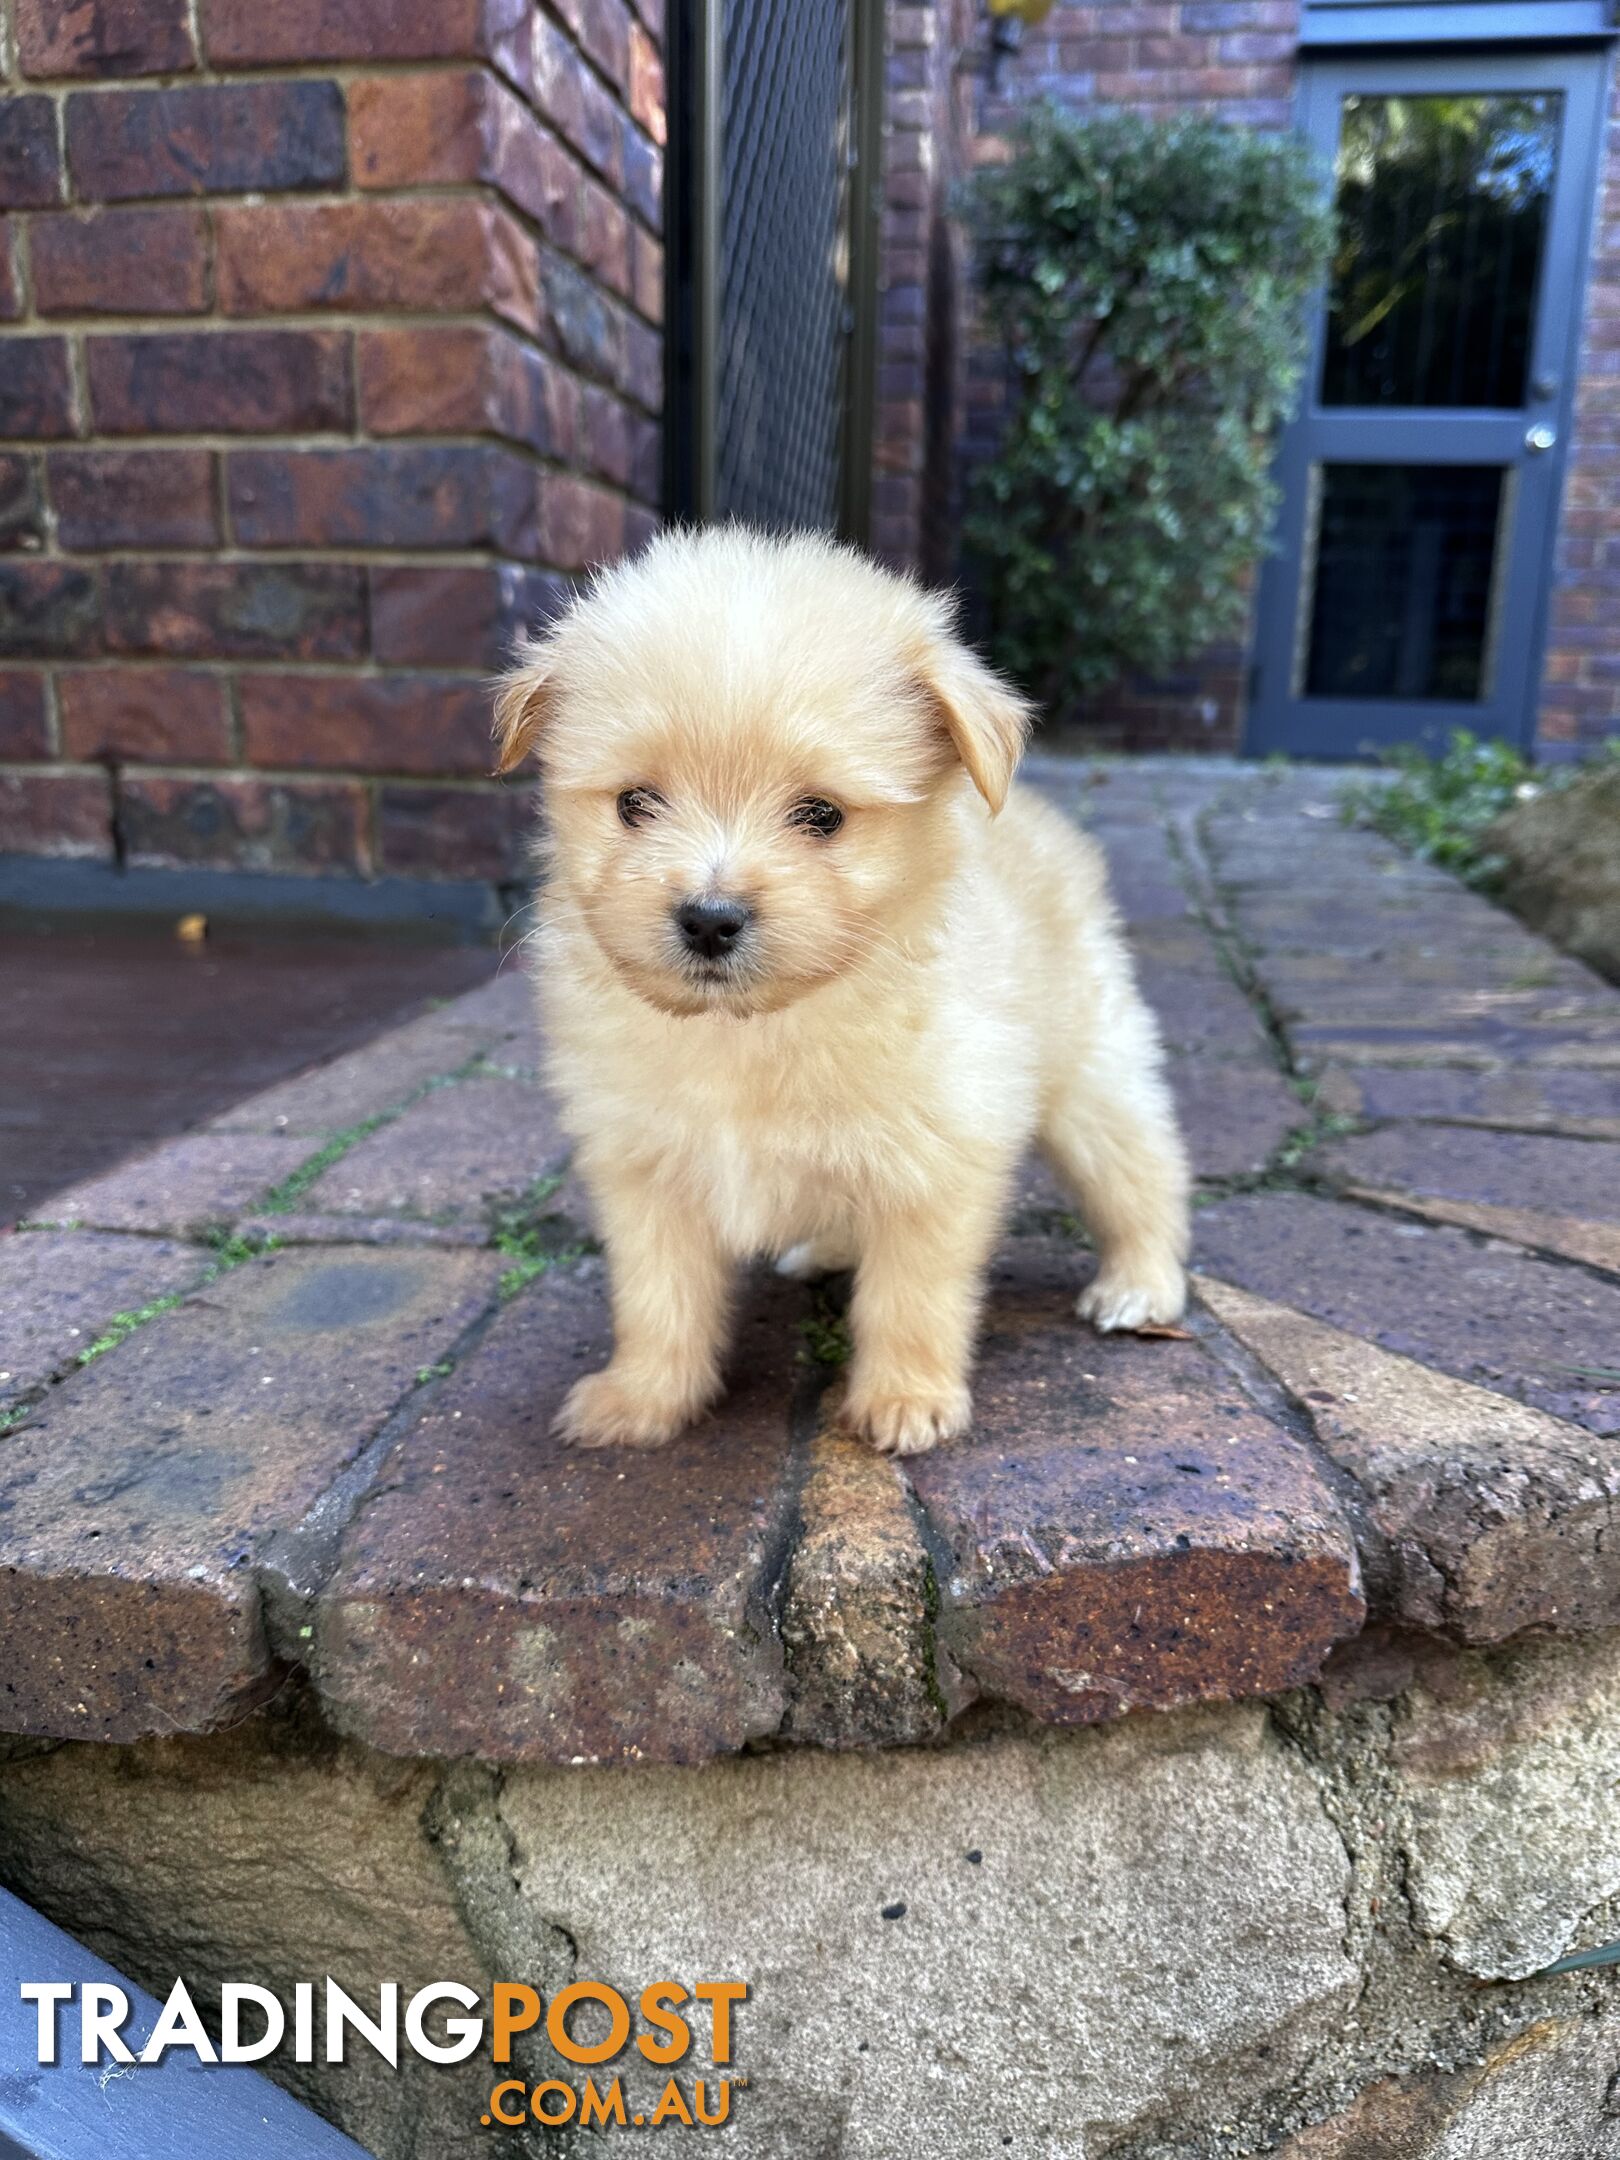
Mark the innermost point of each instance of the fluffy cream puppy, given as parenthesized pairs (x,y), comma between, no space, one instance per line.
(815,974)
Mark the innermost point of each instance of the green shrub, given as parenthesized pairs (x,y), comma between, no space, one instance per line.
(1147,280)
(1439,808)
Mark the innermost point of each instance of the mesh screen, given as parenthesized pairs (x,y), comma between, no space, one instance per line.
(783,268)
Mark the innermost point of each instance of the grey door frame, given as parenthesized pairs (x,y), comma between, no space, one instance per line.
(1280,717)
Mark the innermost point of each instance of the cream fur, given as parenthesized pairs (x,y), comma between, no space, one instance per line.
(922,996)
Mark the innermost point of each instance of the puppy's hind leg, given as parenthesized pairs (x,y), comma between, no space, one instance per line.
(1111,1136)
(670,1281)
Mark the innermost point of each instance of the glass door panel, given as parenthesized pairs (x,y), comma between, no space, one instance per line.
(1407,592)
(1442,214)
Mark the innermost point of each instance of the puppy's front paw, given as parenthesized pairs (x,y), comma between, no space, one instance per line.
(1125,1297)
(900,1422)
(609,1409)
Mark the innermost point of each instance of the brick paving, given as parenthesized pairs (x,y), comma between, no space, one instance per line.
(277,1396)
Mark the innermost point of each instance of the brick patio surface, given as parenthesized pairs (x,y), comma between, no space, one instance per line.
(277,1397)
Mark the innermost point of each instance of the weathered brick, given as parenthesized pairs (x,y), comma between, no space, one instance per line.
(104,37)
(10,289)
(559,75)
(30,164)
(120,262)
(244,824)
(157,716)
(25,725)
(400,496)
(643,176)
(414,130)
(548,1656)
(606,436)
(366,723)
(604,36)
(48,608)
(190,1187)
(22,503)
(463,379)
(642,371)
(1123,1529)
(236,611)
(647,274)
(588,328)
(464,616)
(604,236)
(580,524)
(205,139)
(647,461)
(50,813)
(424,255)
(58,1291)
(461,1151)
(134,498)
(132,1604)
(435,832)
(244,33)
(646,89)
(234,382)
(36,388)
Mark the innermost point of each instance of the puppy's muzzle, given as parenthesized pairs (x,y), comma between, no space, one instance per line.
(712,929)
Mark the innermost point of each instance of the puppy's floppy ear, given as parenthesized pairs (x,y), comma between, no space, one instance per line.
(523,702)
(986,719)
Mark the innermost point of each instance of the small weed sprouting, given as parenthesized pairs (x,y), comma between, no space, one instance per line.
(441,1371)
(827,1339)
(532,1239)
(1439,808)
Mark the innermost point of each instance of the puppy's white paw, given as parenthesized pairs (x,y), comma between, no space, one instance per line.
(1122,1298)
(907,1423)
(608,1409)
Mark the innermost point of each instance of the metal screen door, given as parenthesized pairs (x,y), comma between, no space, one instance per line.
(772,173)
(1407,594)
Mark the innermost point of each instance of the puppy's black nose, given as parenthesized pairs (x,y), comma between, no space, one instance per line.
(711,928)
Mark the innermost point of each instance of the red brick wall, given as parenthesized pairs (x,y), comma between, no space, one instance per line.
(1580,701)
(330,343)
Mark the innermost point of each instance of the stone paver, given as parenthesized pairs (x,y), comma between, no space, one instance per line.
(1583,1104)
(858,1617)
(1399,1398)
(1490,1516)
(1486,1312)
(1123,1529)
(188,1188)
(504,1595)
(1536,1188)
(494,1022)
(132,1501)
(457,1152)
(59,1290)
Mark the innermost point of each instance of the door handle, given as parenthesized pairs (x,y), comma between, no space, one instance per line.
(1540,437)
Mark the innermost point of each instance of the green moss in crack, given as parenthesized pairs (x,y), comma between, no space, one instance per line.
(283,1198)
(533,1238)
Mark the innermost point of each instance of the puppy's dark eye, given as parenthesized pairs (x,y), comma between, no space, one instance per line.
(638,804)
(815,814)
